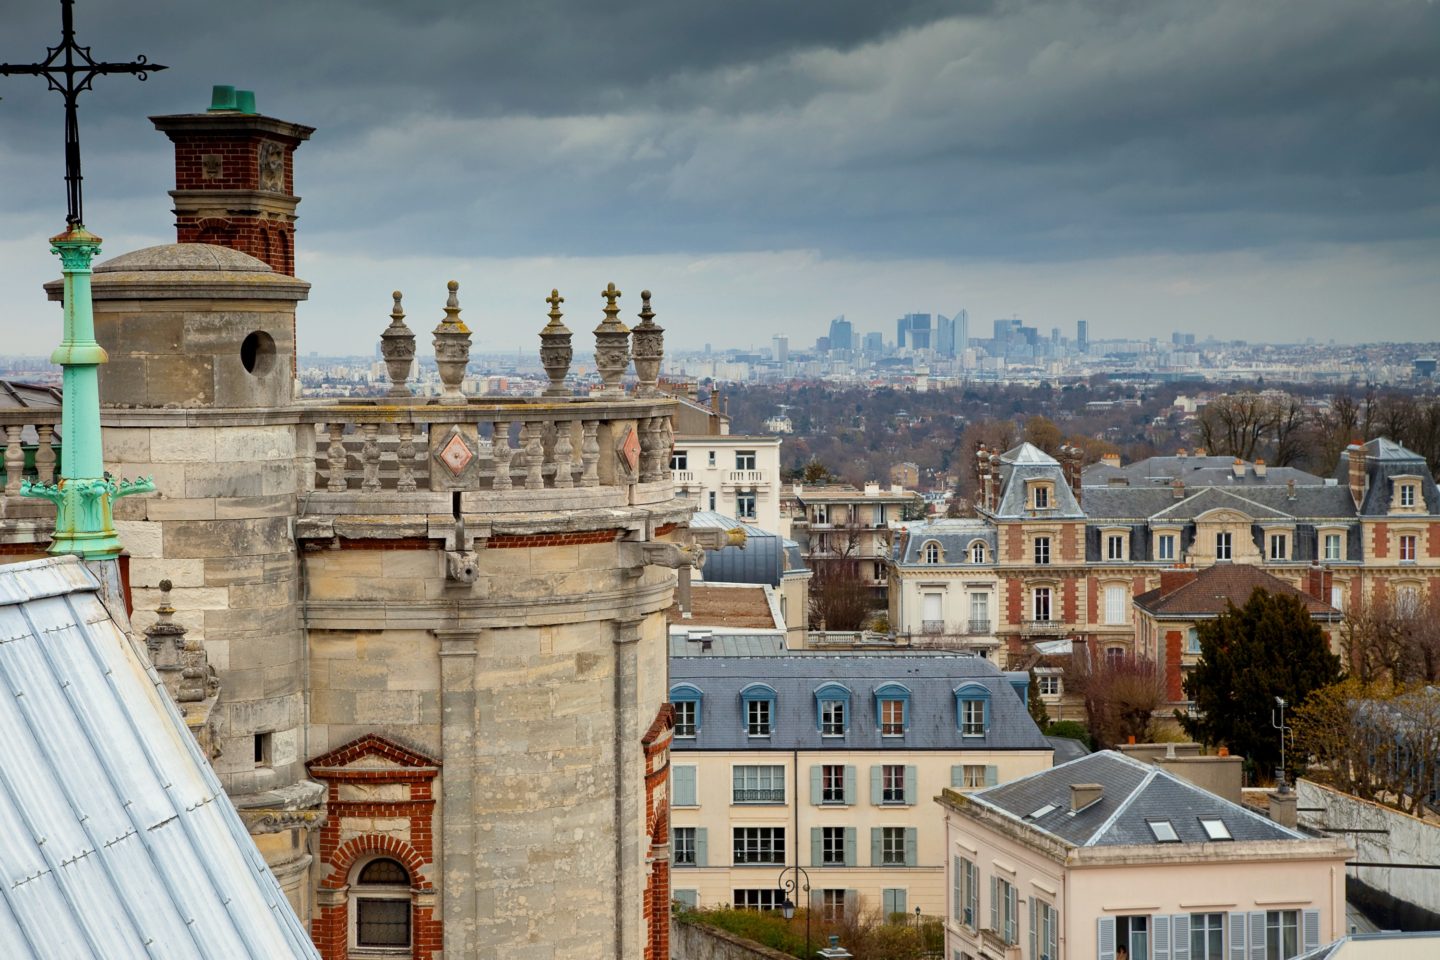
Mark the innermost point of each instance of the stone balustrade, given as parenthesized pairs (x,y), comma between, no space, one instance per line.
(30,436)
(499,445)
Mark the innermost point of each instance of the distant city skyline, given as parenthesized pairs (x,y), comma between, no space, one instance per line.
(1243,170)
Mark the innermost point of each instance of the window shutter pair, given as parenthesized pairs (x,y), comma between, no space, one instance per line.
(992,775)
(911,784)
(1310,930)
(1160,937)
(849,785)
(852,904)
(1237,935)
(875,851)
(876,796)
(682,780)
(957,775)
(911,847)
(1257,935)
(817,846)
(894,900)
(702,854)
(817,789)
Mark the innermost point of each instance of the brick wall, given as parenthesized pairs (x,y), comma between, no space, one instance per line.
(656,905)
(1174,647)
(1380,544)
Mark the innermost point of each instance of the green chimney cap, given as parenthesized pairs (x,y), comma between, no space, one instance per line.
(222,97)
(226,99)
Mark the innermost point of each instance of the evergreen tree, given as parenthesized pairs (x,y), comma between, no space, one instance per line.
(1250,655)
(1038,713)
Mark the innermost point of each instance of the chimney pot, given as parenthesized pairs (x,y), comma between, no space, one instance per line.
(1083,795)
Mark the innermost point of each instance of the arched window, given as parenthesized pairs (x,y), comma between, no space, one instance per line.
(932,551)
(380,898)
(977,551)
(686,698)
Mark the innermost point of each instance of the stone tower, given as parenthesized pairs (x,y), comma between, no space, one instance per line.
(439,626)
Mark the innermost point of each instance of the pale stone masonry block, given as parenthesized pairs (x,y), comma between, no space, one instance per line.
(357,675)
(332,645)
(141,538)
(181,573)
(254,444)
(185,598)
(285,747)
(127,444)
(183,444)
(170,508)
(374,792)
(387,706)
(412,564)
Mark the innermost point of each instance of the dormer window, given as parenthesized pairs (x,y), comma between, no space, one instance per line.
(685,699)
(1407,494)
(1042,497)
(977,552)
(832,710)
(1115,546)
(972,709)
(932,551)
(758,701)
(892,709)
(1279,546)
(1223,543)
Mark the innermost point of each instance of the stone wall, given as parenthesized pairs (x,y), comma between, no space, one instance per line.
(1407,899)
(694,941)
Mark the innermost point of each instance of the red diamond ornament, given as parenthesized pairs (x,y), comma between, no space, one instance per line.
(456,454)
(630,449)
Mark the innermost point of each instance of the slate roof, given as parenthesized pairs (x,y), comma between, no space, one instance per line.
(1141,503)
(726,644)
(761,560)
(1214,589)
(931,680)
(1384,460)
(1194,471)
(954,537)
(1135,793)
(118,839)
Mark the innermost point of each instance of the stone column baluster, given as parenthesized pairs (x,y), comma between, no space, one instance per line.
(501,450)
(405,458)
(590,453)
(337,456)
(645,427)
(564,455)
(45,452)
(370,457)
(530,435)
(14,461)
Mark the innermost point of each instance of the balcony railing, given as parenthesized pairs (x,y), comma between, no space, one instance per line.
(746,478)
(932,626)
(759,795)
(682,478)
(527,444)
(979,627)
(1041,627)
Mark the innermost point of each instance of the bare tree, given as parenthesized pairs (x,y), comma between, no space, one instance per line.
(1392,638)
(1121,697)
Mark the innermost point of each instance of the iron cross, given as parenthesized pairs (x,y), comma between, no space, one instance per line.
(69,69)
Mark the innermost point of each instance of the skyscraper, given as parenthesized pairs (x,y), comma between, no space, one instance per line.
(962,331)
(944,336)
(780,348)
(1082,335)
(842,334)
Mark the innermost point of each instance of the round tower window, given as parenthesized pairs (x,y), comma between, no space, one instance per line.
(257,353)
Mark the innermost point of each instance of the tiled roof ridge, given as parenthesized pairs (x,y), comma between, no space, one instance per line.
(1223,492)
(1124,805)
(1255,577)
(1230,804)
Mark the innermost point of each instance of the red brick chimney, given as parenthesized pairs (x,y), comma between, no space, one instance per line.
(234,178)
(1355,454)
(1318,582)
(1176,577)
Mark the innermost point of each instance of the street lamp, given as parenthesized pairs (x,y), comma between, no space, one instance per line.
(791,886)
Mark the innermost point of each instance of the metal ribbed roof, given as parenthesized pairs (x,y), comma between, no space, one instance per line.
(118,839)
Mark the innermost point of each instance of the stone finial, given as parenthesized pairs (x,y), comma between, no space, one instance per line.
(164,639)
(397,346)
(612,346)
(555,350)
(452,349)
(649,350)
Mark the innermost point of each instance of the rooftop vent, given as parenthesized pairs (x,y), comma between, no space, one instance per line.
(1085,795)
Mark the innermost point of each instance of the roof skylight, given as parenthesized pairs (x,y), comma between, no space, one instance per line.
(1215,828)
(1164,831)
(1037,814)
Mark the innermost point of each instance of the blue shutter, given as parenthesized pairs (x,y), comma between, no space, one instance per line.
(985,714)
(850,785)
(992,775)
(1237,936)
(1160,937)
(957,776)
(850,858)
(817,791)
(817,846)
(911,847)
(875,847)
(1310,930)
(994,903)
(957,906)
(1180,942)
(683,786)
(1052,948)
(1012,915)
(1257,935)
(875,794)
(1105,937)
(911,785)
(702,851)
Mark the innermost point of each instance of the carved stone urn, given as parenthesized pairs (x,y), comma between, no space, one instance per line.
(555,350)
(397,346)
(612,347)
(452,349)
(649,340)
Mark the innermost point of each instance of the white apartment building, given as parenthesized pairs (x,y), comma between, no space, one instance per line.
(738,476)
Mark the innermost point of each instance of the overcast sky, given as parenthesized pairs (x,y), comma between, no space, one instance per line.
(1259,168)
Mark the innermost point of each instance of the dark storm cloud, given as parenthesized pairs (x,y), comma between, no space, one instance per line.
(1016,131)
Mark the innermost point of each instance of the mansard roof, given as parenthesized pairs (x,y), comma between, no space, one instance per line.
(1384,460)
(119,840)
(1213,590)
(1194,471)
(1029,462)
(1320,502)
(931,680)
(954,536)
(1133,795)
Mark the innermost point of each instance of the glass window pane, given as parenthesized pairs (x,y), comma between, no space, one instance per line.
(382,923)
